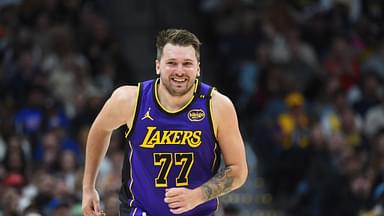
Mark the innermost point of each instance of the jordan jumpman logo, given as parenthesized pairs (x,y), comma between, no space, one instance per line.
(147,115)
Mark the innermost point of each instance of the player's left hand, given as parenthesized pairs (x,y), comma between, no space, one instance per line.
(180,200)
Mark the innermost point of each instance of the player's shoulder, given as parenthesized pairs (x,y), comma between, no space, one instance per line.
(219,99)
(124,94)
(222,108)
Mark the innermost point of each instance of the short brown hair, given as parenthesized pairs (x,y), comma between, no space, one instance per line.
(179,37)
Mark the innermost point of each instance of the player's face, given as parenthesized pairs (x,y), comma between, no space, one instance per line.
(178,69)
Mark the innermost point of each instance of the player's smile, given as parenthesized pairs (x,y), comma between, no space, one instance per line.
(179,86)
(178,80)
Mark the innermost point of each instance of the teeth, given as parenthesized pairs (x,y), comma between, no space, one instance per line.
(178,80)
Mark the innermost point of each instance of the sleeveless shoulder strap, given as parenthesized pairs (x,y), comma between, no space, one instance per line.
(142,87)
(204,91)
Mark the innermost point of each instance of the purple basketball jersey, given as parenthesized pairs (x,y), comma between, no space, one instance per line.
(169,149)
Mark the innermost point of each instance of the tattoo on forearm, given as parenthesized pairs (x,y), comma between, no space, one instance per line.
(219,185)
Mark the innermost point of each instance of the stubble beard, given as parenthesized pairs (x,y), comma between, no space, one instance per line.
(174,91)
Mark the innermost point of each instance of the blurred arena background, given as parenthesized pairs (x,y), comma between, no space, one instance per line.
(306,77)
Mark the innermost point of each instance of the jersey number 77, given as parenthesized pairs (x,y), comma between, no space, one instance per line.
(167,161)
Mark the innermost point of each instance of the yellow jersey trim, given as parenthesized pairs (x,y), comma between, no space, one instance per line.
(134,211)
(182,108)
(211,111)
(215,157)
(214,130)
(134,111)
(130,185)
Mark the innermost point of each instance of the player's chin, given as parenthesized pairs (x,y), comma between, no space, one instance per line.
(179,91)
(182,89)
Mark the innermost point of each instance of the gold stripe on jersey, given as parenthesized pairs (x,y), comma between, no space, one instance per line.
(165,109)
(214,129)
(214,158)
(130,185)
(134,111)
(211,112)
(134,211)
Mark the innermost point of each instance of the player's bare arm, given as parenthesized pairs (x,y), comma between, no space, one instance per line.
(231,177)
(117,110)
(235,172)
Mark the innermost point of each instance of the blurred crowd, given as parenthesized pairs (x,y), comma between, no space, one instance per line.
(59,62)
(306,78)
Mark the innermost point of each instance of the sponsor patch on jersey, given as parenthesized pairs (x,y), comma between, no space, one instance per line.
(196,115)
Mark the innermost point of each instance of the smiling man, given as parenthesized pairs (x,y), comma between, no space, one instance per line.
(178,129)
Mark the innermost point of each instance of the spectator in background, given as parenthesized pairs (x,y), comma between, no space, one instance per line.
(15,164)
(62,209)
(293,139)
(29,119)
(47,152)
(351,129)
(67,169)
(370,88)
(342,63)
(9,202)
(331,113)
(375,62)
(293,125)
(374,120)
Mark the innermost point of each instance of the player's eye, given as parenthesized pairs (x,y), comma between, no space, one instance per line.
(188,64)
(171,63)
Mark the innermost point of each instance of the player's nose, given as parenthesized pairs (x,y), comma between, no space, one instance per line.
(179,70)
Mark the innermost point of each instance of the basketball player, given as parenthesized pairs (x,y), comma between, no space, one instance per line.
(178,127)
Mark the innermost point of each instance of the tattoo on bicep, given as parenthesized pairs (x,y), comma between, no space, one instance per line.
(220,184)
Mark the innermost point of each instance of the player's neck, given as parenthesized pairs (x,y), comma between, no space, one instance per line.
(172,102)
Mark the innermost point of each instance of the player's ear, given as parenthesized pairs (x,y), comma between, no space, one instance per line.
(157,63)
(198,70)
